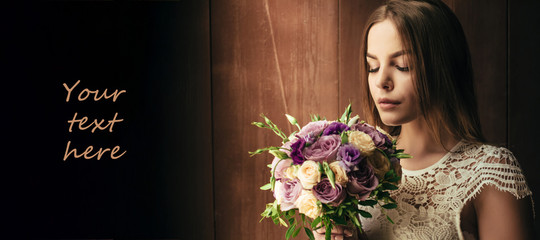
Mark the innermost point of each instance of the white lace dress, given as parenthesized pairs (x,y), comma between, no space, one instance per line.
(430,200)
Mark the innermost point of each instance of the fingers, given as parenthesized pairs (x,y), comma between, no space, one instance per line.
(347,232)
(338,233)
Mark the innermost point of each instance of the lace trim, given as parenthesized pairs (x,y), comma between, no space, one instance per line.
(431,200)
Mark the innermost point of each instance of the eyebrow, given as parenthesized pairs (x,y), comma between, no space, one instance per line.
(393,55)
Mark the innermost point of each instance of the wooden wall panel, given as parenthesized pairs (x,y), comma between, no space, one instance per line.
(485,25)
(523,86)
(353,15)
(269,57)
(301,57)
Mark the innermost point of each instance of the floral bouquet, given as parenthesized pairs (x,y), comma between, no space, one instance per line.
(326,169)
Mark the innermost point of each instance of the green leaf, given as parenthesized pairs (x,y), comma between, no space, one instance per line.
(292,221)
(340,211)
(339,220)
(353,217)
(316,222)
(272,182)
(346,115)
(309,233)
(389,206)
(279,154)
(394,179)
(283,222)
(389,174)
(389,186)
(389,219)
(259,124)
(344,137)
(368,203)
(365,214)
(329,174)
(266,186)
(328,233)
(383,194)
(296,232)
(290,231)
(259,151)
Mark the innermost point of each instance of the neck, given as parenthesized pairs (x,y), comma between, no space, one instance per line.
(418,141)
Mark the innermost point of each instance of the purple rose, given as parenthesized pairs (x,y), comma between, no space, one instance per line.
(328,195)
(362,182)
(280,166)
(288,192)
(323,149)
(349,155)
(311,138)
(296,151)
(379,139)
(313,128)
(335,128)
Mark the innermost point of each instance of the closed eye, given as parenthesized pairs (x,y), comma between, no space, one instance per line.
(373,70)
(403,69)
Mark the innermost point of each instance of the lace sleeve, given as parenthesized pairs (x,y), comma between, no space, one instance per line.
(499,167)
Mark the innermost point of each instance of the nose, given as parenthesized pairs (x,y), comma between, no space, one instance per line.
(384,80)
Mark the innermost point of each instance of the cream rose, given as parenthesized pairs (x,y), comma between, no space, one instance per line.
(362,141)
(340,175)
(307,204)
(309,174)
(292,171)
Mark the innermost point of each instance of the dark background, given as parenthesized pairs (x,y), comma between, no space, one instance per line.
(196,74)
(151,50)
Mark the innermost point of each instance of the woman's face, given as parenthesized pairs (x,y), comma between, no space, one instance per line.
(390,81)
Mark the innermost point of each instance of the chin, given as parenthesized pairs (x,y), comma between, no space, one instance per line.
(394,121)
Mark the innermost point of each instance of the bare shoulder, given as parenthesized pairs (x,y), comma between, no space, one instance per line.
(502,199)
(501,215)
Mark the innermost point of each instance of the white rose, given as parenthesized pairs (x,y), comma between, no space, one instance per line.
(307,204)
(340,175)
(362,141)
(309,174)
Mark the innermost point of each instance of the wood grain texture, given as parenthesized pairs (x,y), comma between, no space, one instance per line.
(353,15)
(271,57)
(485,26)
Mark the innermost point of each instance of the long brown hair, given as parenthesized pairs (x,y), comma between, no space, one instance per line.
(440,64)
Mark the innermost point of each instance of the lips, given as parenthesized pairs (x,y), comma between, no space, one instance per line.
(388,104)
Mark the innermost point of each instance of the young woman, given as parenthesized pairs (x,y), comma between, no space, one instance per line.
(417,76)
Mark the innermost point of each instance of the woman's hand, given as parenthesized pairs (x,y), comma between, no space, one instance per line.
(338,233)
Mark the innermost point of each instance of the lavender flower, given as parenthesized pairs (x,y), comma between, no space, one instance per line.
(335,128)
(349,155)
(296,152)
